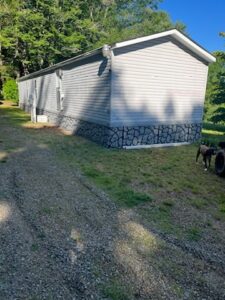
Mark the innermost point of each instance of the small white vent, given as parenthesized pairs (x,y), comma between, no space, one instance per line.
(42,119)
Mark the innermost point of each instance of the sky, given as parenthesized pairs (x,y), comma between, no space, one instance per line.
(204,19)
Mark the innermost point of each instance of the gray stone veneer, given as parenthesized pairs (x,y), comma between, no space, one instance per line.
(118,137)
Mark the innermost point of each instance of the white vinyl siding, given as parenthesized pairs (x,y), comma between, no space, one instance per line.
(157,82)
(46,92)
(86,89)
(22,86)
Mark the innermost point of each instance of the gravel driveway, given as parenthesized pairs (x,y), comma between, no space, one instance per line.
(61,238)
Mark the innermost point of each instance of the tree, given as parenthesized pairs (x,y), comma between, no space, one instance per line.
(35,34)
(218,95)
(134,18)
(215,92)
(40,33)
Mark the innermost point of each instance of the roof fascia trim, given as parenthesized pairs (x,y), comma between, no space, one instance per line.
(186,41)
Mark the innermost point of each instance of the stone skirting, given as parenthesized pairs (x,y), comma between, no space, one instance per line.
(118,137)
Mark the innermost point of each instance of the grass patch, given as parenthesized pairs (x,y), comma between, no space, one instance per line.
(46,211)
(168,203)
(214,127)
(155,181)
(161,217)
(115,291)
(131,198)
(194,234)
(212,134)
(34,247)
(198,203)
(123,195)
(222,208)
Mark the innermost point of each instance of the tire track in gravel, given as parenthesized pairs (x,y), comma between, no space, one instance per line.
(57,255)
(214,264)
(53,252)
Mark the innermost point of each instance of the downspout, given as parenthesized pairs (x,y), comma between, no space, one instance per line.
(34,104)
(108,54)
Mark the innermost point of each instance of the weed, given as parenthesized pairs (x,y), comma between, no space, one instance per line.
(208,223)
(131,198)
(168,203)
(41,235)
(34,247)
(222,208)
(46,211)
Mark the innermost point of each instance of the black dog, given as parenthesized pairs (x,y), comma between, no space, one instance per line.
(207,153)
(221,145)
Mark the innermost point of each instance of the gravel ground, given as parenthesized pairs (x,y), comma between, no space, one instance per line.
(61,238)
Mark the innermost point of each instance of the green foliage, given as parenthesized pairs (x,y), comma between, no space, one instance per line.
(215,92)
(10,90)
(36,34)
(115,291)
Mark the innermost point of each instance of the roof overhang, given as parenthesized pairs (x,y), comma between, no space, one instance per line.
(177,35)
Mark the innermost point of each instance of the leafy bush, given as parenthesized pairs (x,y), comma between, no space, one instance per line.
(10,90)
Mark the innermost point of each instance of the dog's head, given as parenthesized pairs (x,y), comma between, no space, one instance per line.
(213,150)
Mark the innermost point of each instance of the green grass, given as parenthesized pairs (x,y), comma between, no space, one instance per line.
(194,234)
(161,215)
(198,203)
(13,116)
(123,195)
(159,183)
(34,247)
(213,133)
(46,211)
(115,291)
(222,207)
(214,127)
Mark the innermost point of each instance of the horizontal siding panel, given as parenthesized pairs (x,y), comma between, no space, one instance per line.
(157,82)
(86,87)
(46,92)
(87,91)
(150,85)
(125,68)
(22,86)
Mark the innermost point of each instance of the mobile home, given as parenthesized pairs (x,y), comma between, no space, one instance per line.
(145,91)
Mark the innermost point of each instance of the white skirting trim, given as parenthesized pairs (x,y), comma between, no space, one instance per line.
(155,145)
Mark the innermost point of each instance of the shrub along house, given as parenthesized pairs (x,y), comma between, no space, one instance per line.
(145,91)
